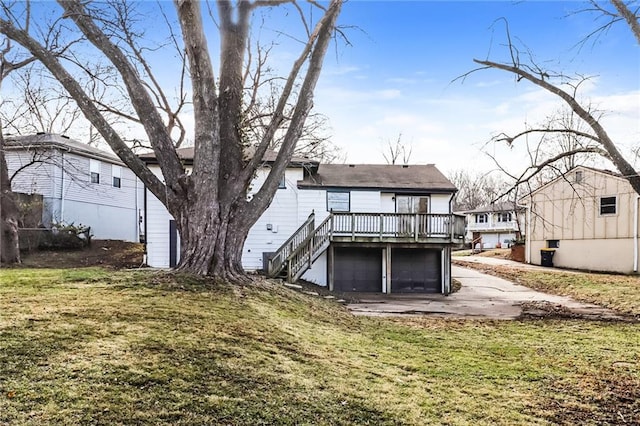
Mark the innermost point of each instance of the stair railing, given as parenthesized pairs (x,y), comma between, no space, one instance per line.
(279,260)
(309,250)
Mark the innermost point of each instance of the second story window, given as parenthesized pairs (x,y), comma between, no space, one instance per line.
(116,173)
(504,217)
(94,171)
(482,218)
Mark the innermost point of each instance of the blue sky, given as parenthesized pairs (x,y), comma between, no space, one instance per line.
(396,77)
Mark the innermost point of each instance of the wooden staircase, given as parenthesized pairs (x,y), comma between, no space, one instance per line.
(298,253)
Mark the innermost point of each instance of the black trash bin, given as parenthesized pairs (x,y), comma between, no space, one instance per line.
(546,256)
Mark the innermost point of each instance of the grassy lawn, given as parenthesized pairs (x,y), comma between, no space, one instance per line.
(91,346)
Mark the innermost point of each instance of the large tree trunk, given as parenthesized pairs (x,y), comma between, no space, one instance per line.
(212,239)
(9,246)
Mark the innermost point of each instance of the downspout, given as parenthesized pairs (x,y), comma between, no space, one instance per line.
(146,233)
(635,234)
(527,226)
(62,187)
(137,216)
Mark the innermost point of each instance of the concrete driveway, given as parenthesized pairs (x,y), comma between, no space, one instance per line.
(481,296)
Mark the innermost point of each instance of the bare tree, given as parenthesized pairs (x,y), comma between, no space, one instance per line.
(396,151)
(209,204)
(558,144)
(9,212)
(475,189)
(597,139)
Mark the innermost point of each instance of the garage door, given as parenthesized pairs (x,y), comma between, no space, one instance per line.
(357,269)
(415,271)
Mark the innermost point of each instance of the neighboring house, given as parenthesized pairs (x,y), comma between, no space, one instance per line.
(590,218)
(494,225)
(80,184)
(370,228)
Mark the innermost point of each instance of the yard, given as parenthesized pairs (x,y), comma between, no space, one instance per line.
(94,346)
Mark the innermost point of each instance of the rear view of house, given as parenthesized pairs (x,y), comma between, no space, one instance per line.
(79,184)
(494,225)
(363,228)
(589,217)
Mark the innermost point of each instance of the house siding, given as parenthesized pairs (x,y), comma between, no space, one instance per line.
(569,212)
(38,178)
(440,203)
(69,196)
(281,216)
(157,238)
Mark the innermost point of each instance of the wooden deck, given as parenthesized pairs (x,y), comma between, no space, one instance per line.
(309,242)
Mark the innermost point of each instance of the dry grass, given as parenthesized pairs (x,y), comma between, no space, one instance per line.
(92,346)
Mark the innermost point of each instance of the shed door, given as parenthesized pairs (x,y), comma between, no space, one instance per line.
(416,271)
(358,269)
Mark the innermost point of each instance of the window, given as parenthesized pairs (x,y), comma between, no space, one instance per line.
(608,205)
(504,217)
(94,171)
(283,183)
(116,173)
(578,176)
(553,243)
(338,201)
(481,218)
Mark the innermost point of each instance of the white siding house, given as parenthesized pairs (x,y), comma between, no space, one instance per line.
(79,184)
(392,196)
(494,225)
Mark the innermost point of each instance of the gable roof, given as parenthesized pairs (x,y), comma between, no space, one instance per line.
(501,206)
(565,176)
(60,142)
(400,178)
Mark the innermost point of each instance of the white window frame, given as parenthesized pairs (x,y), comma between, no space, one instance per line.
(94,171)
(503,215)
(483,216)
(615,205)
(116,173)
(338,201)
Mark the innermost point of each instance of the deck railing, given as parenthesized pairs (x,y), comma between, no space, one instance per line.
(306,244)
(399,225)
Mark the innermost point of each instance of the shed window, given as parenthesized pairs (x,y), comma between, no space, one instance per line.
(338,201)
(608,205)
(116,173)
(94,171)
(553,243)
(481,218)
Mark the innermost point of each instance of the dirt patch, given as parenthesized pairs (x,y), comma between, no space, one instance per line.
(548,310)
(606,399)
(108,253)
